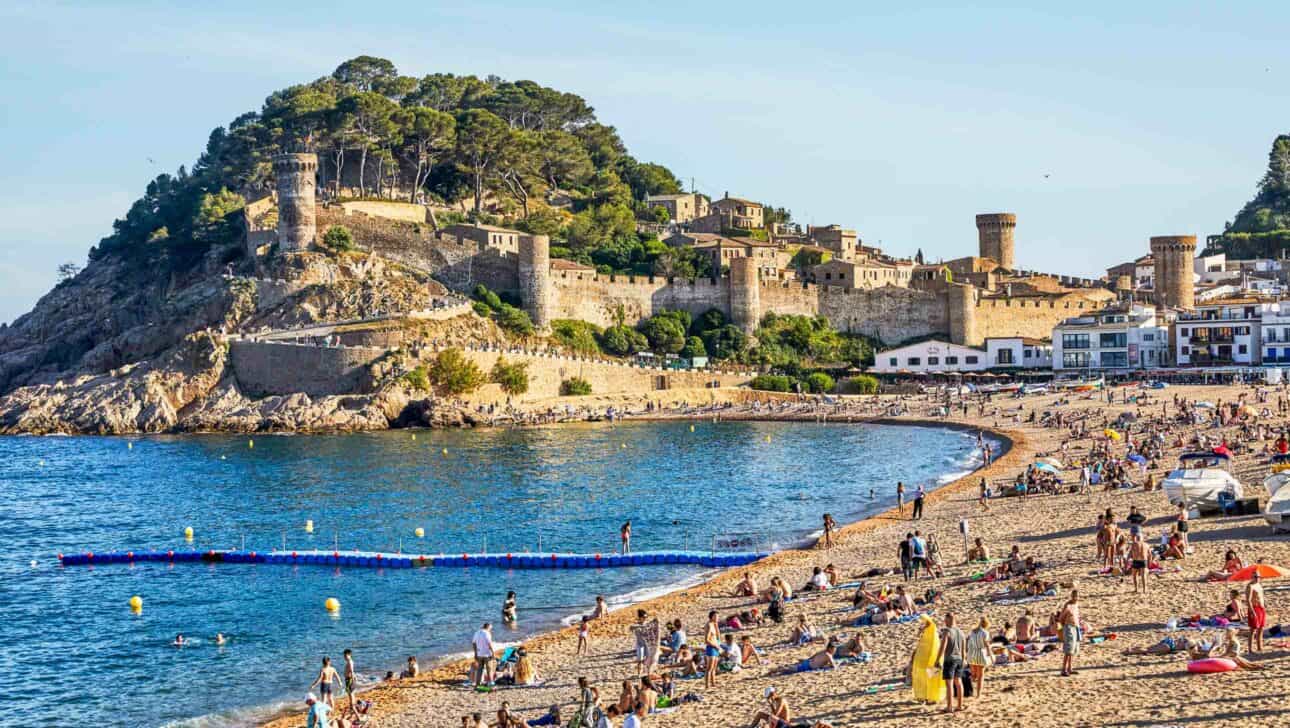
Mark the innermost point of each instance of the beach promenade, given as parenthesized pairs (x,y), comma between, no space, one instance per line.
(1109,688)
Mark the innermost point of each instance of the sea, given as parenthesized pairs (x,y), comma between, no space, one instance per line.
(72,652)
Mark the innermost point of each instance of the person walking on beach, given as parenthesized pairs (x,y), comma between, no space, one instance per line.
(1069,622)
(979,654)
(351,677)
(482,648)
(1138,562)
(1258,612)
(829,525)
(327,677)
(907,557)
(711,651)
(917,553)
(918,502)
(900,498)
(584,632)
(950,660)
(625,533)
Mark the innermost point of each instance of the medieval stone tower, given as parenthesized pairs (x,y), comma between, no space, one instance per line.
(535,279)
(296,177)
(1174,260)
(994,235)
(745,294)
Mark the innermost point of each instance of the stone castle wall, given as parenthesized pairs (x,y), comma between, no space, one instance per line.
(269,367)
(598,299)
(1032,316)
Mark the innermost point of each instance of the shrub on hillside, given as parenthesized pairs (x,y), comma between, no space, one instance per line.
(514,320)
(486,297)
(862,384)
(693,347)
(338,238)
(819,382)
(771,383)
(513,377)
(453,373)
(622,341)
(574,387)
(417,379)
(578,336)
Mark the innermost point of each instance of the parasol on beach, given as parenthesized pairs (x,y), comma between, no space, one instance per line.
(1111,434)
(1223,450)
(1266,571)
(1053,462)
(1205,405)
(1046,467)
(1135,457)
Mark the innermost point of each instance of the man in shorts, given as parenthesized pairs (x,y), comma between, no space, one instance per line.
(349,677)
(1070,633)
(482,646)
(1138,562)
(953,651)
(711,651)
(1258,612)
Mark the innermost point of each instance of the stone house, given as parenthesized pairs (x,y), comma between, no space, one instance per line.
(721,250)
(503,240)
(741,213)
(863,274)
(841,242)
(682,208)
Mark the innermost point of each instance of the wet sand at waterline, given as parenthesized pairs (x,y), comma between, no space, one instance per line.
(1109,689)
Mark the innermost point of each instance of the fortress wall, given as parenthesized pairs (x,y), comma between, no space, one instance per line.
(265,368)
(597,298)
(1030,316)
(546,372)
(789,298)
(403,211)
(890,313)
(456,262)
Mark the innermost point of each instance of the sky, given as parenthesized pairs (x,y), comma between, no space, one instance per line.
(1098,125)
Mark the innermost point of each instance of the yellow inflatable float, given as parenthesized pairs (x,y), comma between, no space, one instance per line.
(929,687)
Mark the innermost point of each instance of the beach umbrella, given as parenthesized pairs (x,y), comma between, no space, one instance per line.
(1111,434)
(1266,571)
(1128,417)
(1046,467)
(1135,457)
(1053,462)
(1247,410)
(1205,405)
(1222,450)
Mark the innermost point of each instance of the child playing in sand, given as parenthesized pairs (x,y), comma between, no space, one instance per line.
(584,631)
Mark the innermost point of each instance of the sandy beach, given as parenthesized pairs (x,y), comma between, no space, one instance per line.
(1109,688)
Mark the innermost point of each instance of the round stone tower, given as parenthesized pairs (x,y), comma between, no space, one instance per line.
(961,302)
(535,279)
(1174,257)
(994,236)
(296,177)
(745,294)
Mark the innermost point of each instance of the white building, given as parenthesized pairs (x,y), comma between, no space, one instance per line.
(930,356)
(1020,352)
(1120,338)
(1223,332)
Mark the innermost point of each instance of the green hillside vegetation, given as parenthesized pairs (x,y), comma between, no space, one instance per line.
(441,137)
(1262,228)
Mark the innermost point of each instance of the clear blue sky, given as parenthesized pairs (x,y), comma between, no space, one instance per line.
(902,122)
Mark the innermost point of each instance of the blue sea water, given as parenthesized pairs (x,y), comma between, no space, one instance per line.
(71,651)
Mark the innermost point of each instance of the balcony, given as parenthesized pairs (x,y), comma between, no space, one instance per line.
(1212,339)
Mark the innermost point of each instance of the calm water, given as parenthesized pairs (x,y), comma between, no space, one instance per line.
(71,651)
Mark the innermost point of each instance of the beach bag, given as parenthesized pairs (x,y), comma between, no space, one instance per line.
(965,676)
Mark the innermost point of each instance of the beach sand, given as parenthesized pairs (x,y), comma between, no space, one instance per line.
(1109,689)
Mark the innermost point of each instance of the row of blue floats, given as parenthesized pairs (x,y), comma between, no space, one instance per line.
(371,559)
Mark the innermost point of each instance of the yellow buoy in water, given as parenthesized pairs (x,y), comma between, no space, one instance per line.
(624,446)
(309,526)
(250,443)
(129,446)
(136,603)
(768,438)
(420,532)
(445,452)
(332,604)
(414,437)
(691,428)
(188,533)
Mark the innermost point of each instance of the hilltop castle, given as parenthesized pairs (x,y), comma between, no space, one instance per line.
(966,299)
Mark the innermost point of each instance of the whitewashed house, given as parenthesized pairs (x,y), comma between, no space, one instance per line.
(1018,352)
(931,356)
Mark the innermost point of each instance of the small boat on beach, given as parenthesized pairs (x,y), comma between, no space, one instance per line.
(1277,511)
(1203,480)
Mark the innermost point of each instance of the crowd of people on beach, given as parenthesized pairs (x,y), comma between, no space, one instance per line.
(956,650)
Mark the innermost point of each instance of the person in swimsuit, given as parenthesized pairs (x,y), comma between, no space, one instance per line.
(1069,621)
(777,713)
(1138,563)
(601,608)
(1258,613)
(326,678)
(351,676)
(747,586)
(179,641)
(1183,525)
(625,533)
(220,639)
(900,497)
(829,525)
(509,608)
(1232,651)
(711,650)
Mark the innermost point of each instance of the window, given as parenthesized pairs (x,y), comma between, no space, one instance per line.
(951,360)
(1148,337)
(1115,359)
(1240,348)
(892,361)
(1113,341)
(970,359)
(1075,341)
(1242,330)
(914,361)
(1003,356)
(1186,351)
(1183,332)
(1272,353)
(933,361)
(1075,359)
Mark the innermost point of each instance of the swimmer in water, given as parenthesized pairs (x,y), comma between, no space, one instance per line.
(179,641)
(871,494)
(508,608)
(220,639)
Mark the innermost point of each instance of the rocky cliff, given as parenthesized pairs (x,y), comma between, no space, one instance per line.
(120,349)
